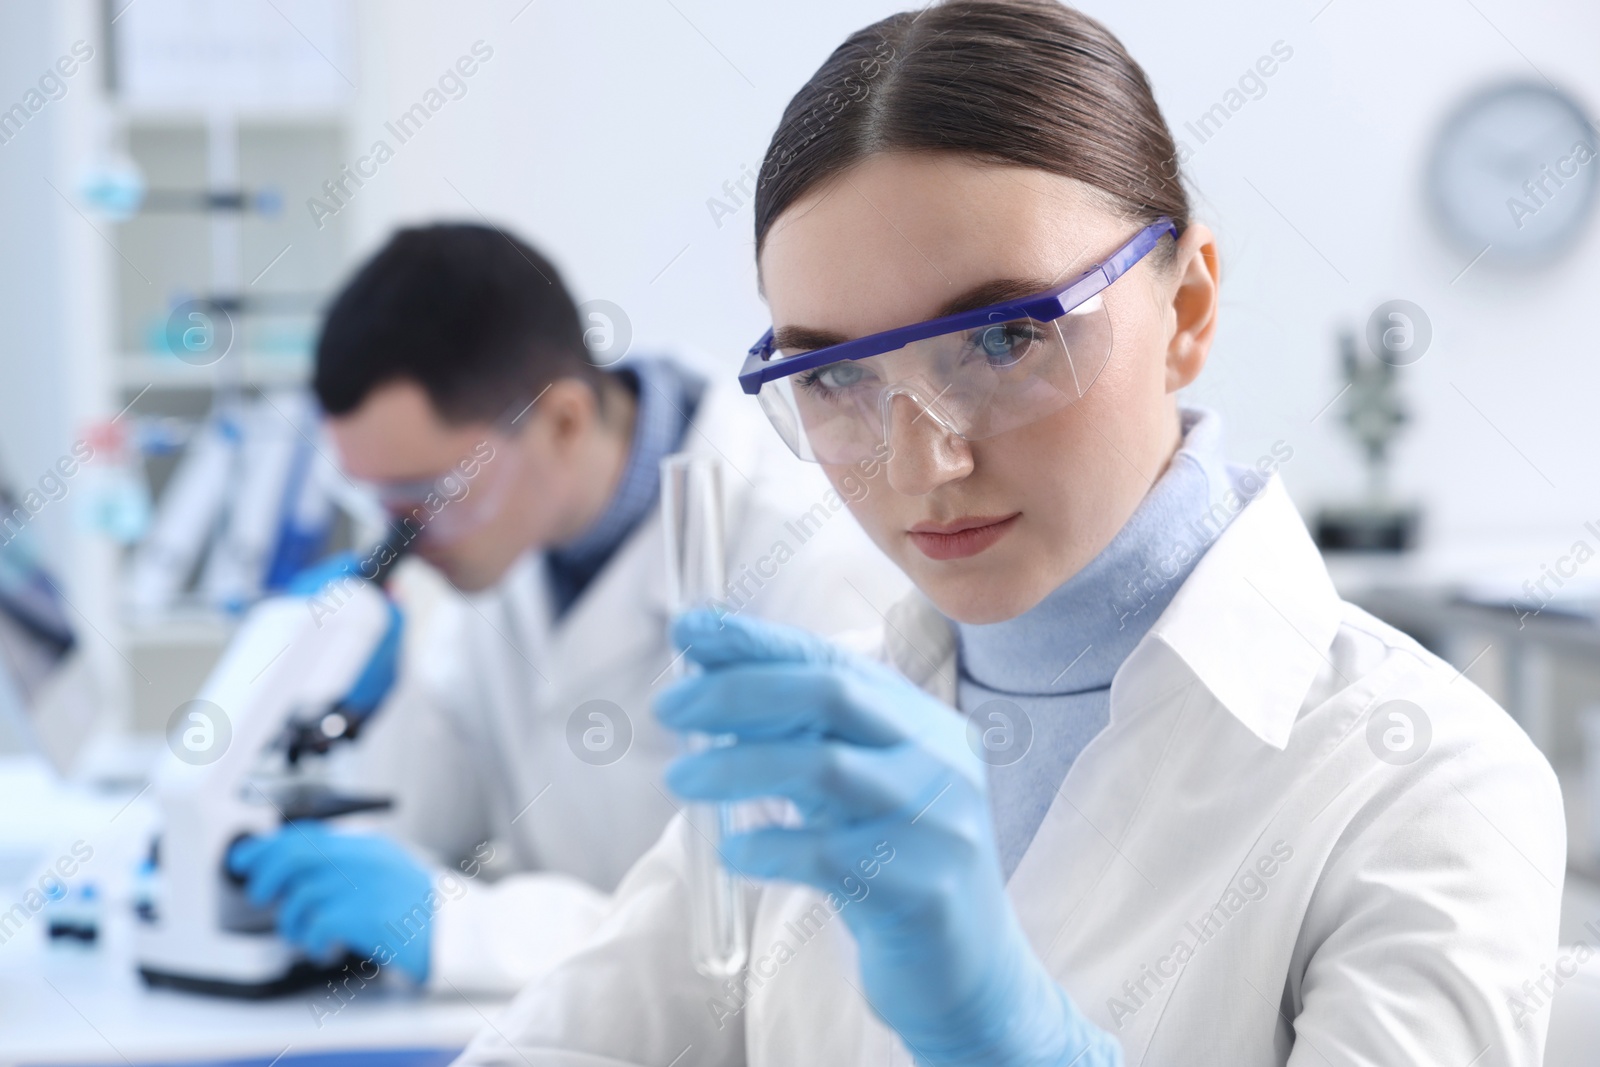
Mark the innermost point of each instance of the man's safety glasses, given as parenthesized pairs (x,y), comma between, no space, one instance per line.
(975,373)
(457,502)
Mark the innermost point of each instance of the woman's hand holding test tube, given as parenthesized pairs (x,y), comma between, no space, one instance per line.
(868,758)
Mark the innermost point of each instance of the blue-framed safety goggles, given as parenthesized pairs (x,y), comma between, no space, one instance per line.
(976,373)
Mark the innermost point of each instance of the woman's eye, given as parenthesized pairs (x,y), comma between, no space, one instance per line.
(840,375)
(1005,342)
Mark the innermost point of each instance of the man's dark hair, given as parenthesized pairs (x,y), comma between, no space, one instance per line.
(470,313)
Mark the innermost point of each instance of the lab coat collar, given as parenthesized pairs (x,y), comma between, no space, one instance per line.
(1252,624)
(1255,620)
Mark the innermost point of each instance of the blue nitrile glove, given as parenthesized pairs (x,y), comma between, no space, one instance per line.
(335,892)
(325,580)
(890,792)
(344,564)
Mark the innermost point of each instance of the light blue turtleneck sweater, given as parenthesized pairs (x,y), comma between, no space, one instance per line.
(1039,685)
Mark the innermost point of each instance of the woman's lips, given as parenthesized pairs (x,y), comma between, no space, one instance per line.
(964,537)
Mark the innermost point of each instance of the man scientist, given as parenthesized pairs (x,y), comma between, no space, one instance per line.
(519,741)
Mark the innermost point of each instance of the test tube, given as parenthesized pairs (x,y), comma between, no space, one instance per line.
(691,512)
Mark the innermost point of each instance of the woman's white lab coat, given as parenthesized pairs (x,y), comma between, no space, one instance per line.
(1230,873)
(482,746)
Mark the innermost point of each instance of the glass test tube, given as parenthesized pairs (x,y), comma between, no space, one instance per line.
(691,511)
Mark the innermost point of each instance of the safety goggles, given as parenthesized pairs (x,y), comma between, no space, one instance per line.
(449,506)
(975,373)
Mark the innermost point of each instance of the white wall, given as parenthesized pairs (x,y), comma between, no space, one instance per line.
(34,428)
(600,130)
(1338,146)
(54,275)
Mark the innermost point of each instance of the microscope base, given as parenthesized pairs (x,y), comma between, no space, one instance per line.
(302,975)
(1367,528)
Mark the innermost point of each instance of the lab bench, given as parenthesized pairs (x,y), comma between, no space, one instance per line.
(71,1003)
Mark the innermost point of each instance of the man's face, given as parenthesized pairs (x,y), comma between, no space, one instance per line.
(462,489)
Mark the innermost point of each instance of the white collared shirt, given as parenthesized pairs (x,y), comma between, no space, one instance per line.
(1254,863)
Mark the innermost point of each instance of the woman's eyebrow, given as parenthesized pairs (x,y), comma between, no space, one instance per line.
(804,339)
(998,291)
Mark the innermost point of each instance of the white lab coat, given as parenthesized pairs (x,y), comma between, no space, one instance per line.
(478,744)
(1229,875)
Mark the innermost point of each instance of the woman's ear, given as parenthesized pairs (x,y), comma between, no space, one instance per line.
(1194,296)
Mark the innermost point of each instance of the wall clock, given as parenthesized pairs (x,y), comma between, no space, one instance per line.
(1514,170)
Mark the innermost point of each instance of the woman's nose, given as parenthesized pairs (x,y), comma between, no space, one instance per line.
(923,454)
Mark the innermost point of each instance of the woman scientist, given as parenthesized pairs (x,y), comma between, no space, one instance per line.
(1135,785)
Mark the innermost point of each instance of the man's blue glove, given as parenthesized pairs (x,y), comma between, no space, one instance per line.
(378,677)
(874,764)
(325,572)
(336,892)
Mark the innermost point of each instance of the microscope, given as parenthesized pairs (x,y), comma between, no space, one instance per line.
(239,767)
(1374,415)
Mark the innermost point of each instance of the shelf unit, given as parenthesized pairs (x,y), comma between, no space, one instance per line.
(220,126)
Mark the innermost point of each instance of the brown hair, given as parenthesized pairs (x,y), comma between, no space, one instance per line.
(1020,82)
